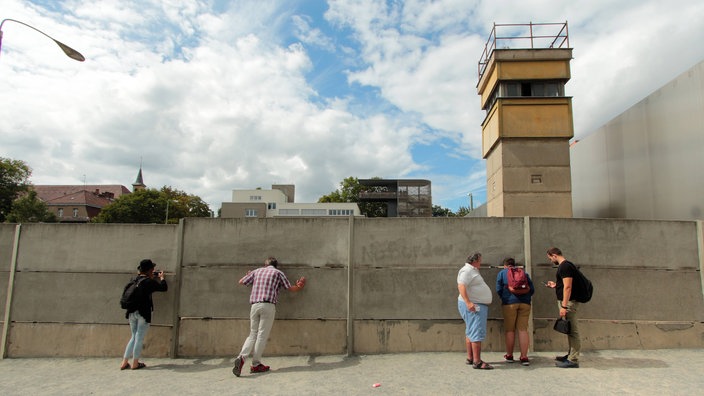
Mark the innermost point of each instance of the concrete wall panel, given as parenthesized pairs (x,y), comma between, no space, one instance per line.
(96,247)
(78,298)
(82,340)
(440,241)
(215,292)
(398,336)
(617,243)
(314,241)
(7,238)
(224,337)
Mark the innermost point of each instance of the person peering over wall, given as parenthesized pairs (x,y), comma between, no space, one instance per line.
(266,282)
(137,301)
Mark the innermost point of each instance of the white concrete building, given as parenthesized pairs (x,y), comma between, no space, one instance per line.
(279,202)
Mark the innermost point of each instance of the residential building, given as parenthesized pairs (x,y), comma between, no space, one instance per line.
(404,197)
(81,203)
(78,203)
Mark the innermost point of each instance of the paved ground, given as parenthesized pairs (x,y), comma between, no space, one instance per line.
(654,372)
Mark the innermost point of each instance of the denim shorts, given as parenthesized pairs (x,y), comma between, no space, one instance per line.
(475,322)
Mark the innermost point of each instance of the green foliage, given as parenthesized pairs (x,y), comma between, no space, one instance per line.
(349,192)
(462,211)
(14,180)
(30,209)
(439,211)
(153,206)
(184,205)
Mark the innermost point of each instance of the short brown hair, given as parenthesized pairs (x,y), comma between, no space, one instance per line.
(554,251)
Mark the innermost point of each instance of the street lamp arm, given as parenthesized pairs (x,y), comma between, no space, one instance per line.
(70,52)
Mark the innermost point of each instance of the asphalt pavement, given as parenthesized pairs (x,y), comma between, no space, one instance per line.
(628,372)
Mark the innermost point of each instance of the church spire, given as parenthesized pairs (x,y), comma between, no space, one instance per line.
(139,183)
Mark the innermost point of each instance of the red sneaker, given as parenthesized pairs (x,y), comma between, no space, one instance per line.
(260,368)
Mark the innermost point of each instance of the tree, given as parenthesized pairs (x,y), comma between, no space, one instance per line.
(462,211)
(184,205)
(30,209)
(153,206)
(439,211)
(349,192)
(14,180)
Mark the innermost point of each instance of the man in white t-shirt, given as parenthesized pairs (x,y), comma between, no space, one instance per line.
(473,304)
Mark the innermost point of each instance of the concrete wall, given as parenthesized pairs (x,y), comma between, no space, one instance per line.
(375,285)
(646,163)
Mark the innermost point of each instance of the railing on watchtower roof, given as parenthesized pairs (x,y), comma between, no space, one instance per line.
(523,36)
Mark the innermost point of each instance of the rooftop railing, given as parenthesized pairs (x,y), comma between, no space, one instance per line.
(523,36)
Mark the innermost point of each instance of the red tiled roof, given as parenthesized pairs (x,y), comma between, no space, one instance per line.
(81,198)
(50,192)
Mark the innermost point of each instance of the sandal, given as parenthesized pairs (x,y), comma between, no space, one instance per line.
(139,365)
(482,365)
(125,367)
(469,362)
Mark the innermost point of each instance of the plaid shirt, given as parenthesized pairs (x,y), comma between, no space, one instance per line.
(266,282)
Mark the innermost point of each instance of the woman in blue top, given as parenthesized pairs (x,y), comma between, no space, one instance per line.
(516,311)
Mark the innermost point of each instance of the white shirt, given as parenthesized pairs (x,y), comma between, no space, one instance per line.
(477,290)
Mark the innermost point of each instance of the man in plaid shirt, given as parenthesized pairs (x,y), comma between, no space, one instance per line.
(266,283)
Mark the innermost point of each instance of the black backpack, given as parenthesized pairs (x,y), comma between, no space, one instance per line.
(583,288)
(132,294)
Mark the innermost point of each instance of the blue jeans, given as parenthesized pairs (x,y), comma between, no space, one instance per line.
(139,327)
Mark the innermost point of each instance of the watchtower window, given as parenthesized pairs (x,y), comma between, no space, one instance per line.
(517,89)
(531,88)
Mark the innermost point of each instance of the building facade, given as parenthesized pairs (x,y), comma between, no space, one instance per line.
(279,202)
(403,197)
(646,162)
(78,203)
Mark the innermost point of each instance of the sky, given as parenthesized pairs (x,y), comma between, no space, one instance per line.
(208,96)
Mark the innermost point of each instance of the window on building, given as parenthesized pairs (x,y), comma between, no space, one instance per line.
(288,212)
(313,212)
(255,197)
(75,212)
(513,89)
(250,213)
(61,212)
(271,205)
(340,212)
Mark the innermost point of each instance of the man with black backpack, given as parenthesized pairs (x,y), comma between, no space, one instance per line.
(571,288)
(137,301)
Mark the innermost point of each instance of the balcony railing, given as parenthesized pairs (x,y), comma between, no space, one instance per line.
(377,195)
